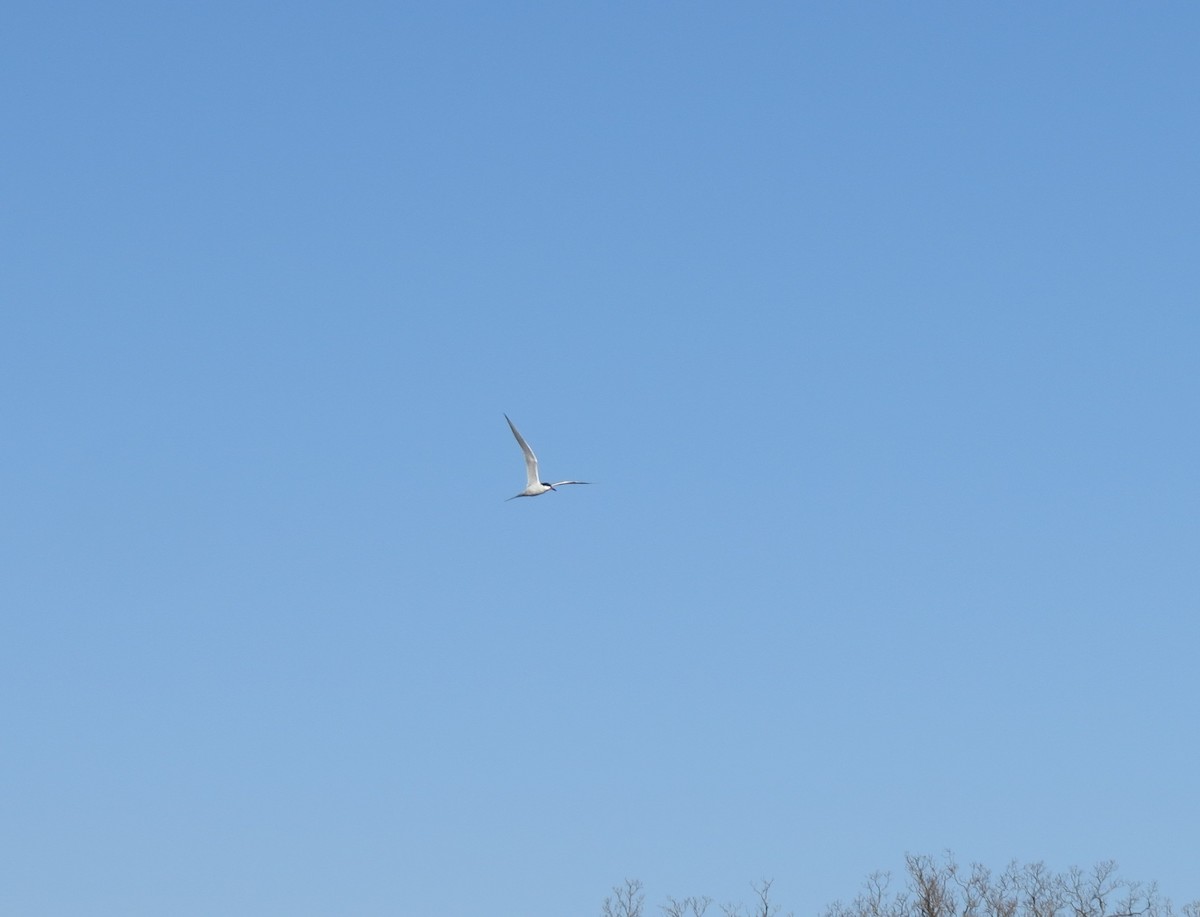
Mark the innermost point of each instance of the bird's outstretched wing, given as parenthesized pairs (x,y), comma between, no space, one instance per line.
(531,469)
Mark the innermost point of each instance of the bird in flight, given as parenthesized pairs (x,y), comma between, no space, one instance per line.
(533,486)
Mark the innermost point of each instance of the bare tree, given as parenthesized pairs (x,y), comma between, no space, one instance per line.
(695,907)
(764,907)
(625,901)
(941,888)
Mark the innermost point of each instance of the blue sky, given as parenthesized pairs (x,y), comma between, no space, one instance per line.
(875,326)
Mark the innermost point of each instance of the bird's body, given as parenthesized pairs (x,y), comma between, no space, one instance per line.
(534,486)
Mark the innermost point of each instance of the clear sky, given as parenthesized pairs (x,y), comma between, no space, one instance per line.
(875,325)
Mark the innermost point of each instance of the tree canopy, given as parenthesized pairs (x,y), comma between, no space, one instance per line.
(933,887)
